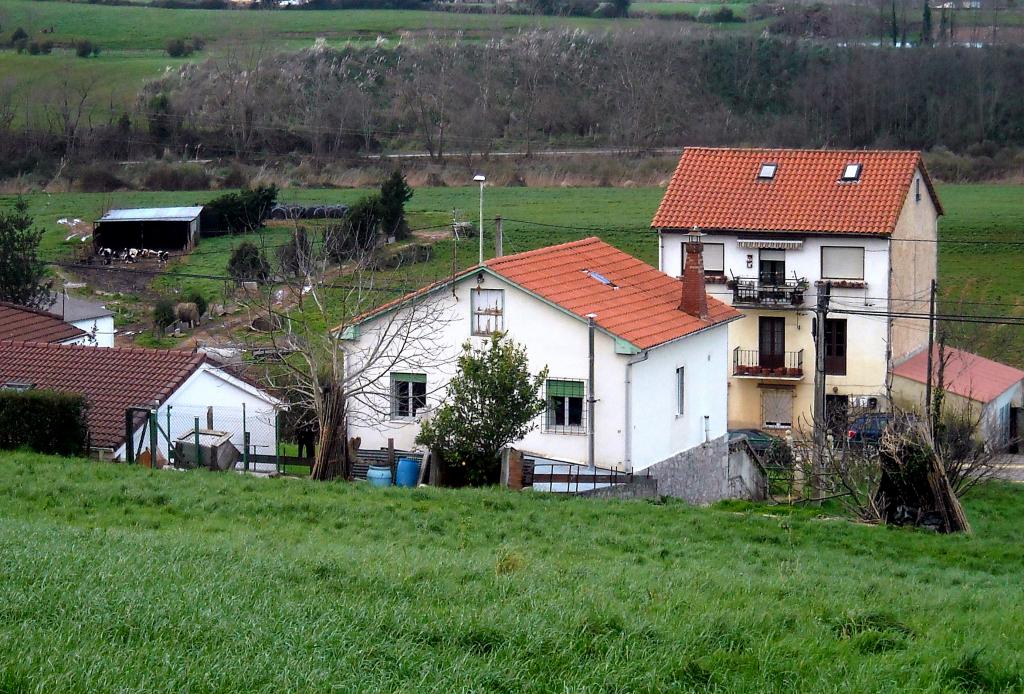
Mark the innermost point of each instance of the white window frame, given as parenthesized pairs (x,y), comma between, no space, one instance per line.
(480,313)
(710,270)
(767,171)
(549,426)
(826,275)
(680,391)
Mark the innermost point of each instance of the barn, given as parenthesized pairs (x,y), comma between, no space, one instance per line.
(155,228)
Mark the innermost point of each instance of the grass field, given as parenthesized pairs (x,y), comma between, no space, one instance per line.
(118,578)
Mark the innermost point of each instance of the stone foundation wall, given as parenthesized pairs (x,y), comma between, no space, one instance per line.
(710,472)
(641,488)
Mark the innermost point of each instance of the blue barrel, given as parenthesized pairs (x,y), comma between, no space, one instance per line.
(408,472)
(379,476)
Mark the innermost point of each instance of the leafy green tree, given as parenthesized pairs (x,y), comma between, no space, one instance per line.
(492,401)
(248,264)
(22,273)
(243,211)
(356,236)
(394,193)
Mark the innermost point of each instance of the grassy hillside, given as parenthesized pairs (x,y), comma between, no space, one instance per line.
(117,578)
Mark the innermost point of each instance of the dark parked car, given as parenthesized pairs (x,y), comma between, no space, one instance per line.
(867,429)
(759,440)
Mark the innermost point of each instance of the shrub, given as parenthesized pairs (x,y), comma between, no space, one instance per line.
(243,211)
(85,48)
(163,314)
(176,48)
(248,264)
(34,48)
(98,179)
(45,421)
(293,258)
(394,193)
(196,297)
(170,177)
(18,35)
(356,236)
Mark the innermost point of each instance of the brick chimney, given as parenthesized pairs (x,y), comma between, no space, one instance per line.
(695,299)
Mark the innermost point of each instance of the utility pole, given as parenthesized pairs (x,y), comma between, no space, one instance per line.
(820,433)
(931,347)
(499,240)
(590,393)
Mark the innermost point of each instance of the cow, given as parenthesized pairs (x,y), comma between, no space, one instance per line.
(107,255)
(187,313)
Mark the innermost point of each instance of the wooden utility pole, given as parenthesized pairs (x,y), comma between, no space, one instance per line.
(820,433)
(931,347)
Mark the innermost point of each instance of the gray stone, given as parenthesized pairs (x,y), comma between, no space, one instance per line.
(710,472)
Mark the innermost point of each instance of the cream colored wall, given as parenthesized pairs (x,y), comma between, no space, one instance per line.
(913,258)
(909,395)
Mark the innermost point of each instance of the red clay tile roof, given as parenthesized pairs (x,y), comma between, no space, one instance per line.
(111,378)
(966,374)
(641,304)
(29,324)
(719,189)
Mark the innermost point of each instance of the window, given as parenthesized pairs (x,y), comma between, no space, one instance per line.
(835,346)
(842,262)
(488,306)
(851,173)
(565,414)
(777,408)
(408,395)
(772,266)
(17,386)
(767,171)
(714,258)
(917,190)
(680,390)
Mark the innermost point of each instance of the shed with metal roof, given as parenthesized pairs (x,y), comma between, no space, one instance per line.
(155,228)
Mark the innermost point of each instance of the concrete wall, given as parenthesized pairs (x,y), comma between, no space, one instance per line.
(640,488)
(709,473)
(913,264)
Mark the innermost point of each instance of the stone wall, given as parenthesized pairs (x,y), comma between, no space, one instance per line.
(639,488)
(710,472)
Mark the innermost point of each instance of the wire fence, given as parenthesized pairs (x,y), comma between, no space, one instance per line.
(214,437)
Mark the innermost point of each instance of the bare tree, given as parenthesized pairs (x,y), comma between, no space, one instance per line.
(330,360)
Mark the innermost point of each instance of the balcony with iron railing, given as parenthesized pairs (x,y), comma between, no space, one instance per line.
(753,363)
(768,291)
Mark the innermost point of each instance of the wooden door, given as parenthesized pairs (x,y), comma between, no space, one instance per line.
(772,347)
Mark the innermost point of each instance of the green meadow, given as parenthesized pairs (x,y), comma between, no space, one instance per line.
(117,578)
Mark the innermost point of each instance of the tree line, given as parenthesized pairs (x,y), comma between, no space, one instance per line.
(634,89)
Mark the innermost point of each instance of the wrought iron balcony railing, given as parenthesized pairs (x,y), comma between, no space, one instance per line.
(769,292)
(754,363)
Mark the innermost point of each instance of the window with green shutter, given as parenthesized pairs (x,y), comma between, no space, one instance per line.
(565,413)
(408,394)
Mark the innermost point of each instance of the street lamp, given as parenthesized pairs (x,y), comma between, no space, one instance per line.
(481,179)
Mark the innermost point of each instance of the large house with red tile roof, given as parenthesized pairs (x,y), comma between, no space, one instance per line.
(779,225)
(660,351)
(177,386)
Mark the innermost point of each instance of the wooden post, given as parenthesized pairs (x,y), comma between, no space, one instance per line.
(931,347)
(391,458)
(245,442)
(153,441)
(129,436)
(199,451)
(817,458)
(209,417)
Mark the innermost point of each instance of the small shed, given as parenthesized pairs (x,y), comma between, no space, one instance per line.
(155,228)
(991,392)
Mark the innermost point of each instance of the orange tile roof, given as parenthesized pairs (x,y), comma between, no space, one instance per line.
(29,324)
(719,189)
(640,305)
(966,374)
(111,378)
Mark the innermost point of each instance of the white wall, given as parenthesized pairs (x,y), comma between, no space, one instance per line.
(658,432)
(101,331)
(994,423)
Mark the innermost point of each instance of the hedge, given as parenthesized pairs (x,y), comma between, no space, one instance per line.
(45,421)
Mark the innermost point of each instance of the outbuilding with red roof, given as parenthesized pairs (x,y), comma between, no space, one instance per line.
(660,352)
(991,392)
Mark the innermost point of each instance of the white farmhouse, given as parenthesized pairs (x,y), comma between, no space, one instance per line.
(660,350)
(92,317)
(778,226)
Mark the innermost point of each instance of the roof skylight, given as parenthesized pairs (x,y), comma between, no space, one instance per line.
(851,172)
(767,171)
(601,278)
